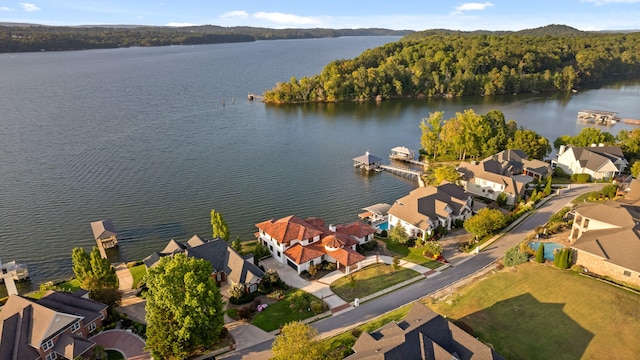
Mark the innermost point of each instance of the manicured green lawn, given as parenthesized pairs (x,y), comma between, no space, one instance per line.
(281,312)
(370,280)
(69,285)
(411,254)
(540,312)
(248,246)
(137,272)
(341,344)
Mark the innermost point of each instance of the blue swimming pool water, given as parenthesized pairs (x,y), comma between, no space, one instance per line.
(383,226)
(549,248)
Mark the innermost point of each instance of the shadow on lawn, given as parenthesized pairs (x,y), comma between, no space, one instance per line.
(524,328)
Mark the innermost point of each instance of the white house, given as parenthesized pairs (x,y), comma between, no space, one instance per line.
(301,243)
(601,162)
(426,208)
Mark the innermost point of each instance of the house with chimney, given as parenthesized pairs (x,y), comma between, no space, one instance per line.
(301,243)
(600,161)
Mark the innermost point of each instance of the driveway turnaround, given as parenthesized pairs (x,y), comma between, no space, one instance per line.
(126,342)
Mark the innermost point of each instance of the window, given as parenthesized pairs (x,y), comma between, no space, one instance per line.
(585,224)
(279,254)
(75,326)
(48,345)
(101,316)
(627,273)
(51,356)
(92,327)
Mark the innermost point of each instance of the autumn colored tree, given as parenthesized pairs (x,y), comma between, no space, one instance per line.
(296,342)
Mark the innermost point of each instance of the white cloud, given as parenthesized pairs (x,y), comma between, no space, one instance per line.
(29,7)
(288,19)
(604,2)
(7,9)
(471,7)
(235,14)
(180,24)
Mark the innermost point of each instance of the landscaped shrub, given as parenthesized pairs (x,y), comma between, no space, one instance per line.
(245,313)
(558,172)
(316,307)
(609,191)
(396,262)
(368,246)
(458,223)
(330,266)
(383,233)
(581,178)
(356,332)
(237,290)
(540,253)
(513,257)
(248,297)
(313,270)
(562,258)
(578,268)
(432,249)
(232,313)
(559,216)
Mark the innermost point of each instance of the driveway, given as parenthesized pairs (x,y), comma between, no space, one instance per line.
(128,343)
(131,305)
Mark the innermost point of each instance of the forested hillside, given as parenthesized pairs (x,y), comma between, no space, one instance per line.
(25,38)
(442,63)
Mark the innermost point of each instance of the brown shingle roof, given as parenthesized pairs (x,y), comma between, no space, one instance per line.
(103,229)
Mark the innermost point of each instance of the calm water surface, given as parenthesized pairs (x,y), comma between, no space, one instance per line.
(141,136)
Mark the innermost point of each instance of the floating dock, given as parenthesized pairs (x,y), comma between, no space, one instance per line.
(598,117)
(402,171)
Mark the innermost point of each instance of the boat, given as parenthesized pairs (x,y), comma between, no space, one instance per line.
(13,270)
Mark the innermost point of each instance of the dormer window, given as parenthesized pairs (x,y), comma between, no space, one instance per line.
(75,326)
(48,345)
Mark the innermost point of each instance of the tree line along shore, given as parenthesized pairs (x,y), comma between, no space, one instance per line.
(452,63)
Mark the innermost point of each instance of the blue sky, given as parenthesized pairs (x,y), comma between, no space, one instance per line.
(398,14)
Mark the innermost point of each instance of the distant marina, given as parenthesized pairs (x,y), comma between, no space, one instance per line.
(606,118)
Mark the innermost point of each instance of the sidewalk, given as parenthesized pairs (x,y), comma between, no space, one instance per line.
(130,304)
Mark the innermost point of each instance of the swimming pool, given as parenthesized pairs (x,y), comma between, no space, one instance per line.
(383,226)
(549,248)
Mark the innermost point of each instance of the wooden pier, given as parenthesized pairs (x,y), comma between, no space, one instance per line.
(402,171)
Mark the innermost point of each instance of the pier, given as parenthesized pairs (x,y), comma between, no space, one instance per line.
(401,171)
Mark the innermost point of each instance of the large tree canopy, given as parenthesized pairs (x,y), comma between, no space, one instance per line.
(219,226)
(296,342)
(96,275)
(485,222)
(184,307)
(444,64)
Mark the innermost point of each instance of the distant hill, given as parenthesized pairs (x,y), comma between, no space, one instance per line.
(21,37)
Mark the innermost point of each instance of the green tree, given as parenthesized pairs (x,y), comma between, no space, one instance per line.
(431,128)
(398,234)
(485,222)
(81,264)
(237,244)
(220,228)
(533,144)
(540,253)
(446,173)
(184,310)
(513,257)
(547,187)
(635,169)
(102,271)
(296,342)
(562,258)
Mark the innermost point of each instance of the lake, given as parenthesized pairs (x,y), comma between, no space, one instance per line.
(141,136)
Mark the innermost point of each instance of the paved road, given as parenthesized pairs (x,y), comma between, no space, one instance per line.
(470,265)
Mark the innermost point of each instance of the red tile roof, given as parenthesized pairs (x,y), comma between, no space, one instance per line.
(346,256)
(301,254)
(288,229)
(339,240)
(356,229)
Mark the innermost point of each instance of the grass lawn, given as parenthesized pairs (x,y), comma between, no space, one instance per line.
(411,254)
(370,280)
(283,312)
(537,311)
(342,343)
(248,246)
(68,285)
(137,272)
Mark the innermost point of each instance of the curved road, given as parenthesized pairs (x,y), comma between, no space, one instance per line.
(371,309)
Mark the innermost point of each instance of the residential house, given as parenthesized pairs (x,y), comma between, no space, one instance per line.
(57,326)
(606,239)
(105,233)
(423,334)
(227,264)
(426,208)
(601,162)
(507,172)
(302,243)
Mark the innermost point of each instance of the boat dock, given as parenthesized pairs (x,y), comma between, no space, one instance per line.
(105,235)
(402,171)
(402,153)
(598,116)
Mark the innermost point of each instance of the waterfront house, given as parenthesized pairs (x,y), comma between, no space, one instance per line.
(228,265)
(57,326)
(507,172)
(601,162)
(423,334)
(301,243)
(375,214)
(426,208)
(105,233)
(606,239)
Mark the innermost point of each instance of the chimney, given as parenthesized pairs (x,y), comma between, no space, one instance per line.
(332,228)
(562,149)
